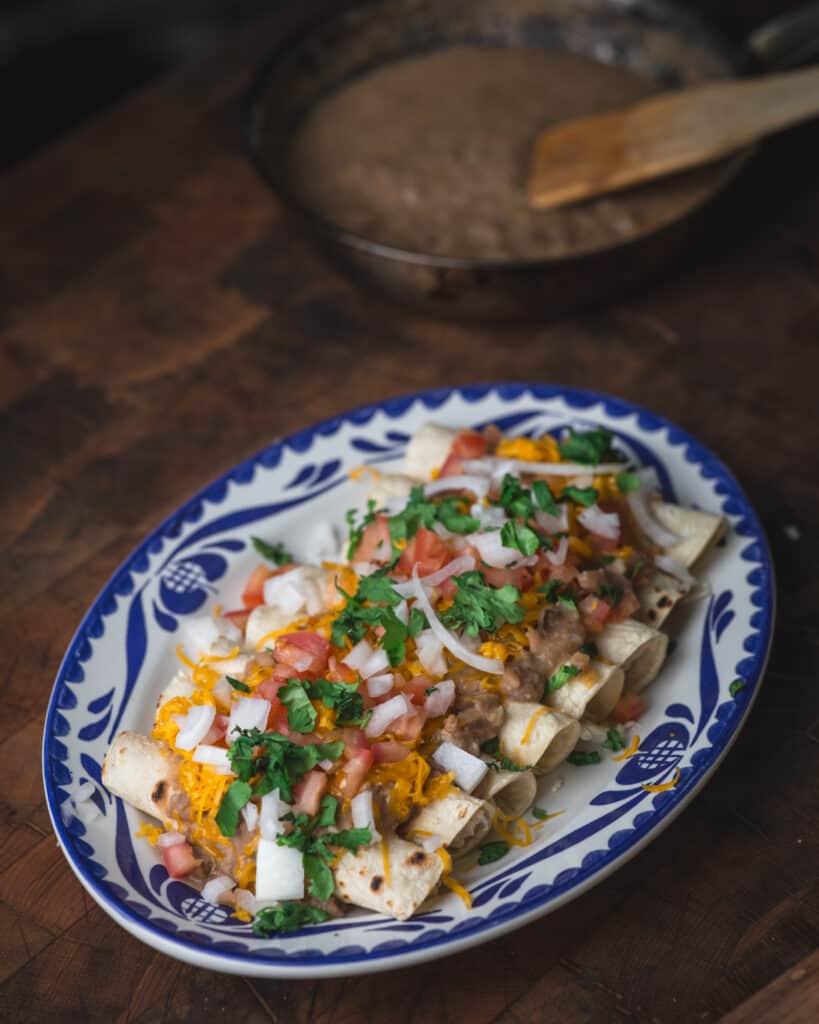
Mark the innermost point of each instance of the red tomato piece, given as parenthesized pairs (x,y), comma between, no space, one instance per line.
(217,731)
(376,543)
(388,751)
(414,688)
(354,741)
(338,672)
(469,444)
(253,594)
(349,779)
(520,577)
(408,727)
(594,612)
(238,617)
(179,860)
(627,606)
(269,689)
(426,550)
(628,708)
(304,650)
(307,794)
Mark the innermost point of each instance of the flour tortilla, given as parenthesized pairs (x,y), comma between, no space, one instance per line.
(145,773)
(592,694)
(513,793)
(658,596)
(460,820)
(414,876)
(552,737)
(636,648)
(428,448)
(698,531)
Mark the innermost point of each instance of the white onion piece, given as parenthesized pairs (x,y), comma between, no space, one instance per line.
(402,612)
(489,515)
(364,568)
(443,532)
(469,770)
(493,551)
(375,664)
(552,524)
(558,556)
(270,810)
(326,765)
(245,900)
(440,699)
(638,503)
(361,807)
(385,714)
(479,486)
(461,564)
(321,542)
(279,872)
(87,811)
(675,569)
(490,464)
(429,844)
(358,656)
(169,839)
(194,726)
(377,686)
(250,812)
(494,666)
(214,887)
(223,692)
(199,634)
(247,713)
(216,757)
(604,524)
(83,791)
(313,600)
(430,652)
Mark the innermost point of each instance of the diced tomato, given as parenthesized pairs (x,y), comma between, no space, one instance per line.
(338,672)
(594,611)
(253,594)
(414,688)
(447,588)
(453,466)
(628,708)
(179,860)
(238,617)
(376,543)
(303,650)
(217,730)
(469,444)
(307,794)
(520,577)
(354,741)
(389,751)
(408,727)
(269,690)
(349,779)
(626,607)
(426,550)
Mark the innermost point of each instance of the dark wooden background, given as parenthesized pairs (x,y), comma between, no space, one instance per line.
(161,320)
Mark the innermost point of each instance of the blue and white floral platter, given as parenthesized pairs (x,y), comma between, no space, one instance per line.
(123,653)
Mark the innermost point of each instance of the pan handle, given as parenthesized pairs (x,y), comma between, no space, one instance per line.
(788,41)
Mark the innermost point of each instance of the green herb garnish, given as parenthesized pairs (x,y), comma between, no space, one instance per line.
(736,686)
(544,498)
(301,715)
(238,685)
(276,553)
(627,482)
(540,813)
(286,917)
(608,592)
(357,529)
(561,676)
(590,648)
(613,740)
(227,817)
(490,852)
(589,446)
(476,605)
(583,757)
(343,698)
(523,539)
(585,496)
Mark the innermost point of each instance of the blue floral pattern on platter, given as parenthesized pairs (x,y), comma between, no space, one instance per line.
(123,653)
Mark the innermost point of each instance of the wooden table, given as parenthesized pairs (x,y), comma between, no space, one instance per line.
(162,320)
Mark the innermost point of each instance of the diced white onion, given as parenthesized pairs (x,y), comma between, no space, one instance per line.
(321,542)
(439,701)
(313,600)
(489,464)
(83,791)
(430,652)
(675,569)
(199,634)
(194,725)
(493,551)
(552,524)
(247,713)
(494,666)
(604,524)
(245,900)
(269,814)
(385,714)
(223,692)
(428,843)
(402,612)
(591,732)
(230,631)
(296,589)
(87,811)
(358,656)
(279,872)
(326,765)
(361,807)
(558,556)
(469,770)
(377,686)
(461,564)
(214,887)
(375,664)
(217,757)
(250,812)
(365,568)
(489,515)
(169,839)
(479,486)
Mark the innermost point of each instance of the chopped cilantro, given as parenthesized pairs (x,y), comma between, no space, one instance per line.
(583,757)
(514,498)
(301,715)
(586,496)
(378,588)
(356,619)
(276,553)
(634,570)
(320,881)
(429,690)
(491,746)
(544,498)
(613,740)
(477,606)
(514,535)
(455,521)
(490,852)
(343,698)
(287,916)
(357,529)
(590,648)
(567,602)
(588,446)
(736,686)
(418,511)
(608,592)
(506,764)
(237,685)
(540,813)
(603,561)
(550,589)
(417,623)
(627,482)
(227,817)
(561,676)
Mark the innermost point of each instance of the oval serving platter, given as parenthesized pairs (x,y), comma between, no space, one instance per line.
(123,652)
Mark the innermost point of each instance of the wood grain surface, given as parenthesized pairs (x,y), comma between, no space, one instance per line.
(162,319)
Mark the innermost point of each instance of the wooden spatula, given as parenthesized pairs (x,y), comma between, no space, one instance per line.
(590,156)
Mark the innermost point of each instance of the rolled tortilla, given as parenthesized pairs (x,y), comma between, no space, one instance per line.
(145,773)
(459,819)
(592,694)
(636,648)
(698,531)
(414,876)
(427,450)
(513,793)
(658,596)
(550,736)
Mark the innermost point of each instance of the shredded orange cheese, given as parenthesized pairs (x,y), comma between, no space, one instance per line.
(494,649)
(630,750)
(500,823)
(451,883)
(527,734)
(580,547)
(243,915)
(661,787)
(149,832)
(359,471)
(385,860)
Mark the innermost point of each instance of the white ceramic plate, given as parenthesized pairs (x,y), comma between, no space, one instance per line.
(123,653)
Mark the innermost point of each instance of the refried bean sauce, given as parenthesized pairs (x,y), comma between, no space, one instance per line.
(430,154)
